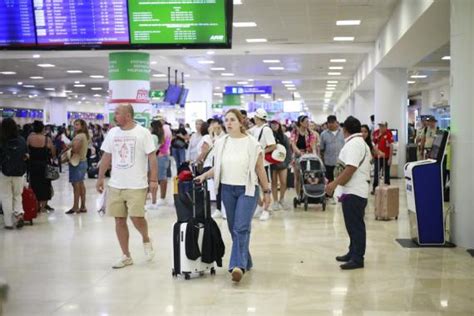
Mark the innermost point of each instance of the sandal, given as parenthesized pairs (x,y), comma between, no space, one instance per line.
(71,211)
(83,210)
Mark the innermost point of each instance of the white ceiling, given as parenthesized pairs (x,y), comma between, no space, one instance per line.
(299,32)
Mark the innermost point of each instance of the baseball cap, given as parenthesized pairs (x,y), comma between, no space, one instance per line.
(261,114)
(158,117)
(383,123)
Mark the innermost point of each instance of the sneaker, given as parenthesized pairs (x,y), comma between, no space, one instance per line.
(216,214)
(351,265)
(258,211)
(345,258)
(237,274)
(265,216)
(151,207)
(123,262)
(161,202)
(149,252)
(276,206)
(285,206)
(332,201)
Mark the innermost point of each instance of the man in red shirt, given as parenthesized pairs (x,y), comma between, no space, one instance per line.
(383,140)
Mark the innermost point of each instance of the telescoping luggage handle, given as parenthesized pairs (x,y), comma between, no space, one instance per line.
(201,187)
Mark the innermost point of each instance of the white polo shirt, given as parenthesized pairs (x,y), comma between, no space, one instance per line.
(354,152)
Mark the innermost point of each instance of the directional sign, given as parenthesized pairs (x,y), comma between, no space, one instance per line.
(248,90)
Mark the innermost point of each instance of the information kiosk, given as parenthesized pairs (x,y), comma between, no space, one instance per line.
(424,185)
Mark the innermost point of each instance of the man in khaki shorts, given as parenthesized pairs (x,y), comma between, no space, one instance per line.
(129,148)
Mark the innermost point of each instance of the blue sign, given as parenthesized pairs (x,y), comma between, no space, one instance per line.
(248,90)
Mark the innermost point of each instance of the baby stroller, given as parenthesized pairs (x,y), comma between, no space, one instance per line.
(312,181)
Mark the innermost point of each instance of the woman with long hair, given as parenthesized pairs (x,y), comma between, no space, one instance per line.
(161,133)
(158,135)
(368,140)
(41,150)
(78,165)
(303,141)
(238,168)
(280,170)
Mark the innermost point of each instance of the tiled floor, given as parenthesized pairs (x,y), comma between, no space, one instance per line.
(62,266)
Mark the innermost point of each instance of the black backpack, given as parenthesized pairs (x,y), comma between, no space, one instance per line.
(13,158)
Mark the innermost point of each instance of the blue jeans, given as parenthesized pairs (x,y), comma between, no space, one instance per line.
(239,209)
(179,155)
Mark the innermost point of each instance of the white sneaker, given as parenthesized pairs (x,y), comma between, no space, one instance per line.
(332,201)
(216,214)
(151,207)
(123,262)
(258,211)
(265,216)
(149,252)
(276,206)
(161,202)
(285,206)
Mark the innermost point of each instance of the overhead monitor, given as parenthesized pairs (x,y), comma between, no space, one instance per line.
(183,96)
(115,24)
(172,94)
(17,27)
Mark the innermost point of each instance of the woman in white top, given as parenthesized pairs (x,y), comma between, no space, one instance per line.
(238,168)
(193,150)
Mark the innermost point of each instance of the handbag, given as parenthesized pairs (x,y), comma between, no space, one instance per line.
(50,172)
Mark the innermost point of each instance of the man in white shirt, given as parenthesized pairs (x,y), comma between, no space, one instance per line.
(129,148)
(264,135)
(353,191)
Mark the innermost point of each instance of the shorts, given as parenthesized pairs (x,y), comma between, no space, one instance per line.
(77,173)
(163,164)
(126,202)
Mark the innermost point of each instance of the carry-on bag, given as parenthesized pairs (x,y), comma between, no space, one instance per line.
(30,205)
(193,197)
(386,199)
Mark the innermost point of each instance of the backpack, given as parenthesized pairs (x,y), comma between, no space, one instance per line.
(13,158)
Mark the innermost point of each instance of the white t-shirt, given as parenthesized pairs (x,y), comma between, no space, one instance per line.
(208,140)
(129,150)
(235,161)
(267,138)
(355,149)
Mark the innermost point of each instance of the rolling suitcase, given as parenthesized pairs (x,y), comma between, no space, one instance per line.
(182,265)
(386,200)
(30,205)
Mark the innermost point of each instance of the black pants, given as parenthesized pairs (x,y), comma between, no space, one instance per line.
(329,172)
(379,164)
(353,208)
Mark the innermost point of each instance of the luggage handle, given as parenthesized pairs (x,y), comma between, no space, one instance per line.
(201,186)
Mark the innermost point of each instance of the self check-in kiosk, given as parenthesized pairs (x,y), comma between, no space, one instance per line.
(424,186)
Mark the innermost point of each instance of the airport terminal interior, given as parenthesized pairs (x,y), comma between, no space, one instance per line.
(402,68)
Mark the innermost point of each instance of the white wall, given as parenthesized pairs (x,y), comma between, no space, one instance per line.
(364,106)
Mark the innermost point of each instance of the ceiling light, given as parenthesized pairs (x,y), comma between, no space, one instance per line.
(336,60)
(159,75)
(290,85)
(251,80)
(154,62)
(77,82)
(79,85)
(6,73)
(271,61)
(419,76)
(334,73)
(83,98)
(49,89)
(36,77)
(297,95)
(227,74)
(347,22)
(217,88)
(332,81)
(46,65)
(330,88)
(74,71)
(343,38)
(19,83)
(256,40)
(287,82)
(205,62)
(67,91)
(411,82)
(28,86)
(187,76)
(96,88)
(327,100)
(36,56)
(218,68)
(242,82)
(97,95)
(210,52)
(218,94)
(291,89)
(336,68)
(14,92)
(244,24)
(446,58)
(96,76)
(276,68)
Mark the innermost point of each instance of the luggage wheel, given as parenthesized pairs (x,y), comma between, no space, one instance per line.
(213,271)
(173,273)
(187,276)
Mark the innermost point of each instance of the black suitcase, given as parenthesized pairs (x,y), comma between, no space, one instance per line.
(412,152)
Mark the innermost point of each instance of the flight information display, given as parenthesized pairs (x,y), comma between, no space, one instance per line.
(177,21)
(17,27)
(81,22)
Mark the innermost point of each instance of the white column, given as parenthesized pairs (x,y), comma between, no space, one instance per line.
(462,112)
(364,106)
(390,98)
(55,111)
(425,102)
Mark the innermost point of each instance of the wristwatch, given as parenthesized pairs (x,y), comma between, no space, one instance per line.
(268,191)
